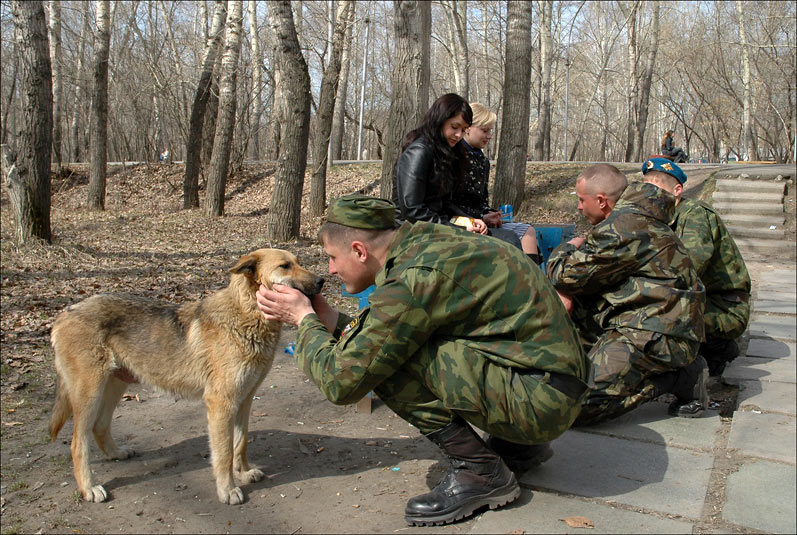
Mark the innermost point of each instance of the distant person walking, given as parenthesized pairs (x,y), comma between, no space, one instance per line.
(668,148)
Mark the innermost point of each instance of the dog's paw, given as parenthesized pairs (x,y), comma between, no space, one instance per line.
(122,453)
(234,496)
(250,476)
(96,494)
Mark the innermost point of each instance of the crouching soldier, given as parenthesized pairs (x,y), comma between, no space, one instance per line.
(461,330)
(635,296)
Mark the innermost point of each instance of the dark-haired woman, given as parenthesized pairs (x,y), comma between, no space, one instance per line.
(432,158)
(668,148)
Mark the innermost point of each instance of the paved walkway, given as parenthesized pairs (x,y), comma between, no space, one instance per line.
(649,473)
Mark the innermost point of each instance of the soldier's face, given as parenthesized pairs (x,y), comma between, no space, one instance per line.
(591,206)
(347,262)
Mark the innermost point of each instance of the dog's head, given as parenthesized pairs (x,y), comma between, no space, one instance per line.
(275,266)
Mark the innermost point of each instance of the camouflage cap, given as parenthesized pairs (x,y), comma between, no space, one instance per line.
(361,211)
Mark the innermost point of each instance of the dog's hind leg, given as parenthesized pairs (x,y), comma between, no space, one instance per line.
(112,393)
(220,429)
(241,464)
(85,399)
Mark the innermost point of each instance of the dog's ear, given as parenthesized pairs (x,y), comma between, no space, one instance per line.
(246,264)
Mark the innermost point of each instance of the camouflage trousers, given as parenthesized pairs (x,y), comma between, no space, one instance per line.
(624,362)
(509,403)
(726,316)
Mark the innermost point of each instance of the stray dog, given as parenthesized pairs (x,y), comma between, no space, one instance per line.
(218,349)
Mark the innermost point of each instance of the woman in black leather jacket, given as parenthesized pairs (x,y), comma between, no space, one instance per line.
(432,159)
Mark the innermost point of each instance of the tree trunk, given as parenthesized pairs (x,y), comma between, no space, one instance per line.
(27,170)
(510,173)
(275,125)
(632,81)
(79,91)
(546,61)
(339,116)
(747,127)
(458,44)
(643,94)
(99,108)
(193,148)
(225,125)
(412,29)
(326,106)
(285,214)
(257,80)
(54,24)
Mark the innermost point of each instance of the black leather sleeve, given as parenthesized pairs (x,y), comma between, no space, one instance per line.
(415,188)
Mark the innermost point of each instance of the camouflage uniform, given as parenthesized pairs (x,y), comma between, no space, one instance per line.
(639,299)
(720,266)
(458,324)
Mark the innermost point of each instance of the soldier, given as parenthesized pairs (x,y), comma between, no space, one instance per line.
(461,329)
(636,298)
(718,263)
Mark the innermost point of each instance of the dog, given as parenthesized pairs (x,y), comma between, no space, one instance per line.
(218,349)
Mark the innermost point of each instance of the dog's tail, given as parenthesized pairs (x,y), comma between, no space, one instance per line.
(62,410)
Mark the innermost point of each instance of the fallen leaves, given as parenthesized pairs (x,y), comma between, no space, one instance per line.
(578,522)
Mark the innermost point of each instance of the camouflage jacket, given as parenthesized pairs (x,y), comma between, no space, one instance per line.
(468,298)
(717,260)
(632,271)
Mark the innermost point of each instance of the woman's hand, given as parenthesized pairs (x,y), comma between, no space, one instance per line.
(283,303)
(479,227)
(493,219)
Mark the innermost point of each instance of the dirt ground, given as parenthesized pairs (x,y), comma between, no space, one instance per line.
(329,469)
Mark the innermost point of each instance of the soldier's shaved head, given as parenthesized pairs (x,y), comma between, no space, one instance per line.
(603,179)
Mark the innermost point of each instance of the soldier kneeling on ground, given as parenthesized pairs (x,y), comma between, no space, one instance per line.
(718,263)
(460,330)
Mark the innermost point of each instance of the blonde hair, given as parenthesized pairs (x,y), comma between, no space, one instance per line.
(482,116)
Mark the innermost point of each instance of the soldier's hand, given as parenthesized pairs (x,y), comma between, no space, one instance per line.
(567,301)
(283,303)
(577,241)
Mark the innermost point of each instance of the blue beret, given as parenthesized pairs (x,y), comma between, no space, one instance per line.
(665,166)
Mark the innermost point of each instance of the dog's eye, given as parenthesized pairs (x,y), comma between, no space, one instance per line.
(286,265)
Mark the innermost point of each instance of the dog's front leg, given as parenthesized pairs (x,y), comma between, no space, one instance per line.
(220,429)
(241,463)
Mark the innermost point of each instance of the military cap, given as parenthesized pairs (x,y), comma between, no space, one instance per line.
(362,211)
(665,166)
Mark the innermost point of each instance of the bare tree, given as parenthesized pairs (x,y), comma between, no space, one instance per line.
(56,59)
(748,145)
(412,27)
(26,170)
(510,172)
(222,144)
(79,89)
(193,147)
(542,142)
(643,93)
(339,115)
(99,108)
(326,106)
(285,214)
(257,79)
(456,28)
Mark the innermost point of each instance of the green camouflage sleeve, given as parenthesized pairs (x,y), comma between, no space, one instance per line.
(603,261)
(695,231)
(372,347)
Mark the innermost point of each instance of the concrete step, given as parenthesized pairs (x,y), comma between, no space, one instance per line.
(758,186)
(755,233)
(748,196)
(743,207)
(762,246)
(753,221)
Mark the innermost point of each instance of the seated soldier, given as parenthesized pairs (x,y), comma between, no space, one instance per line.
(459,332)
(718,263)
(635,297)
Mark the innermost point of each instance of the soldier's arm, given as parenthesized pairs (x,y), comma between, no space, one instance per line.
(370,349)
(604,260)
(695,231)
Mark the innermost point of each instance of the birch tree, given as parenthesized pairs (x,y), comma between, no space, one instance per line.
(339,115)
(56,60)
(99,108)
(257,79)
(412,30)
(26,169)
(747,125)
(285,215)
(222,144)
(643,93)
(542,142)
(510,172)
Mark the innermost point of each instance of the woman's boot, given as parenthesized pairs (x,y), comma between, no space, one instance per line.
(477,478)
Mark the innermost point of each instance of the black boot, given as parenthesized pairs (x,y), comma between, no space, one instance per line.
(690,390)
(718,352)
(520,457)
(477,477)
